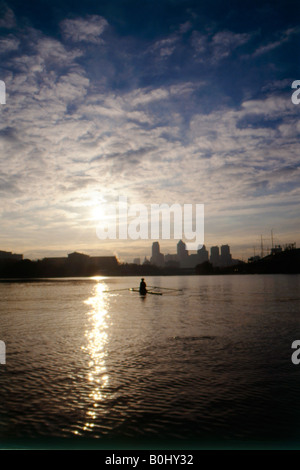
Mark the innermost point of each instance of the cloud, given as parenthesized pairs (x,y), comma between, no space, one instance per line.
(104,146)
(284,37)
(164,47)
(214,48)
(7,19)
(224,43)
(199,42)
(87,29)
(9,185)
(184,27)
(53,52)
(141,97)
(71,135)
(274,85)
(8,44)
(272,105)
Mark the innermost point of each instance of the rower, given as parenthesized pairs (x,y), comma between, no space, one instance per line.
(143,287)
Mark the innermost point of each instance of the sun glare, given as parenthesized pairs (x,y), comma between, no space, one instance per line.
(98,212)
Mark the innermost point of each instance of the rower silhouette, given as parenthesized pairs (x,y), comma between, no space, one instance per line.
(143,287)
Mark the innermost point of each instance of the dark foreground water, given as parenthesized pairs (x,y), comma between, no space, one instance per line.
(210,363)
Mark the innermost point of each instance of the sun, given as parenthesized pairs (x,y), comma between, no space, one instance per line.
(98,212)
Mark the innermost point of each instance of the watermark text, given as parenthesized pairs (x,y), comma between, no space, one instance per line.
(2,353)
(296,95)
(2,93)
(296,354)
(151,222)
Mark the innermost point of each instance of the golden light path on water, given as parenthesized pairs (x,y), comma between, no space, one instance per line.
(97,338)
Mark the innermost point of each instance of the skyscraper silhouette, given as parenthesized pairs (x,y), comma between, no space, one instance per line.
(182,253)
(225,259)
(202,255)
(157,257)
(215,256)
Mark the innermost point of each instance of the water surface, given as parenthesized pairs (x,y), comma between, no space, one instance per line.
(209,362)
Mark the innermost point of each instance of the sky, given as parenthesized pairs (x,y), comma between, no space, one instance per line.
(170,101)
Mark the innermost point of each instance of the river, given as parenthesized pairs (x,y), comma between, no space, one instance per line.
(206,362)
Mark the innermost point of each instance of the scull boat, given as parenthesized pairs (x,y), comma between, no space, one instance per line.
(133,289)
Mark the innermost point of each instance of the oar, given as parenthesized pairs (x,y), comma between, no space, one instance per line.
(135,289)
(117,290)
(167,288)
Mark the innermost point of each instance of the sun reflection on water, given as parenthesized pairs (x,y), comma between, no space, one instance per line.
(97,338)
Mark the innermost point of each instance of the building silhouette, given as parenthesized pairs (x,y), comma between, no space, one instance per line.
(194,259)
(225,258)
(215,256)
(157,257)
(171,260)
(184,259)
(8,255)
(182,254)
(202,255)
(80,263)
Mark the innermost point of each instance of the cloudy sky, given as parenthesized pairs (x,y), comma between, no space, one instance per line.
(169,101)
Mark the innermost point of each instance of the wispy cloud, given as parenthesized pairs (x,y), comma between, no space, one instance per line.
(224,43)
(88,29)
(213,48)
(7,17)
(283,38)
(8,44)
